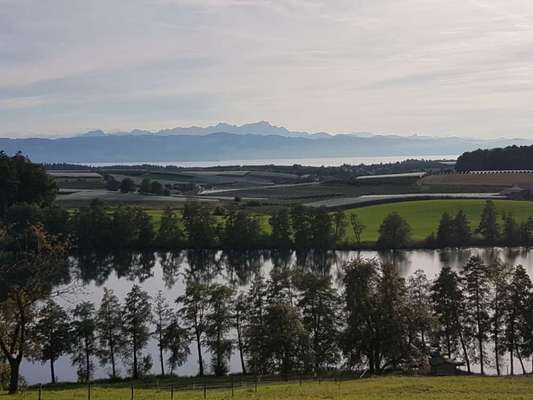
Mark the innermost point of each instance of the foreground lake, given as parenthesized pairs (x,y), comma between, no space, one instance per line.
(166,272)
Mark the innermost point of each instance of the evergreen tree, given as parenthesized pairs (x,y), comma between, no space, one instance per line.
(170,234)
(511,231)
(281,229)
(137,314)
(322,230)
(445,233)
(109,328)
(499,280)
(52,334)
(84,340)
(516,315)
(255,333)
(462,234)
(488,226)
(301,225)
(476,296)
(200,225)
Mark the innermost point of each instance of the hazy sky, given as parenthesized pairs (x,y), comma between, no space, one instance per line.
(435,67)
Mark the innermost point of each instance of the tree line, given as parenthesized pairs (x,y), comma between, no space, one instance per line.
(299,322)
(507,158)
(493,229)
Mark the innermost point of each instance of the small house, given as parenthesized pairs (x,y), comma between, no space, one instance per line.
(443,366)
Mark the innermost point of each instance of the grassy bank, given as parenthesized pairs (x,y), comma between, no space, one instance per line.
(384,388)
(424,215)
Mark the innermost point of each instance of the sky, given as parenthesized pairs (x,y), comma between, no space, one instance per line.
(431,67)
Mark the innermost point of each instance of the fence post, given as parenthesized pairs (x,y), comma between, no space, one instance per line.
(256,379)
(205,391)
(171,392)
(132,392)
(40,390)
(232,386)
(89,391)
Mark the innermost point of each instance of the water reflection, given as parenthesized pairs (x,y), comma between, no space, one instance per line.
(170,271)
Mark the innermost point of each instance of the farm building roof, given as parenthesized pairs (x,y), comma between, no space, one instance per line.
(392,176)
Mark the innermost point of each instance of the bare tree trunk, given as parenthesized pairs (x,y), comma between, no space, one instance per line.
(14,366)
(52,371)
(199,348)
(520,359)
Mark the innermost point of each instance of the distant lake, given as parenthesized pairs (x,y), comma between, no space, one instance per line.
(311,162)
(166,272)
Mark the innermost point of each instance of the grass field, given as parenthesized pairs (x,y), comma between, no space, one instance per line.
(424,215)
(384,388)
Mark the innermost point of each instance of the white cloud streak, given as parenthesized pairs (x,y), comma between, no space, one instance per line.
(415,66)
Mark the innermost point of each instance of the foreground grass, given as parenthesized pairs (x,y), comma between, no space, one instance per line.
(424,215)
(407,388)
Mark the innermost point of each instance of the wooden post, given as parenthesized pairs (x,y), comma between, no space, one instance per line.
(232,387)
(40,390)
(171,392)
(132,393)
(256,379)
(205,391)
(89,391)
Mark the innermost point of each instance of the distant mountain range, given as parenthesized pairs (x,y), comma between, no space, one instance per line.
(229,142)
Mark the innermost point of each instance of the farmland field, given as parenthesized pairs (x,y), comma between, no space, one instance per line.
(424,215)
(382,388)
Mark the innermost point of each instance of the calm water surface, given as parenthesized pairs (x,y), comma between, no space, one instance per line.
(166,272)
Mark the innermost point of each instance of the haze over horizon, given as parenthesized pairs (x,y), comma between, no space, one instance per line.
(454,68)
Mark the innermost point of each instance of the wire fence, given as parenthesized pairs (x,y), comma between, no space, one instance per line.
(196,389)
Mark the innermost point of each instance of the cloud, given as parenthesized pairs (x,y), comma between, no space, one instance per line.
(455,67)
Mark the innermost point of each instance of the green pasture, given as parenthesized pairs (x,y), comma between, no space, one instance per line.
(381,388)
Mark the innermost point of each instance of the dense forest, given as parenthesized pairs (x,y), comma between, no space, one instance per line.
(507,158)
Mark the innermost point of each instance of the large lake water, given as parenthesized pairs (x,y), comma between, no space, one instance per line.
(166,272)
(311,162)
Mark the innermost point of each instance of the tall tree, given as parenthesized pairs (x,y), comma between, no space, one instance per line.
(488,226)
(516,316)
(476,290)
(170,234)
(194,307)
(462,234)
(162,316)
(340,222)
(219,323)
(21,181)
(445,232)
(448,305)
(281,229)
(109,329)
(176,340)
(84,340)
(301,225)
(32,263)
(499,280)
(394,232)
(239,323)
(137,314)
(255,333)
(52,334)
(419,308)
(200,225)
(320,307)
